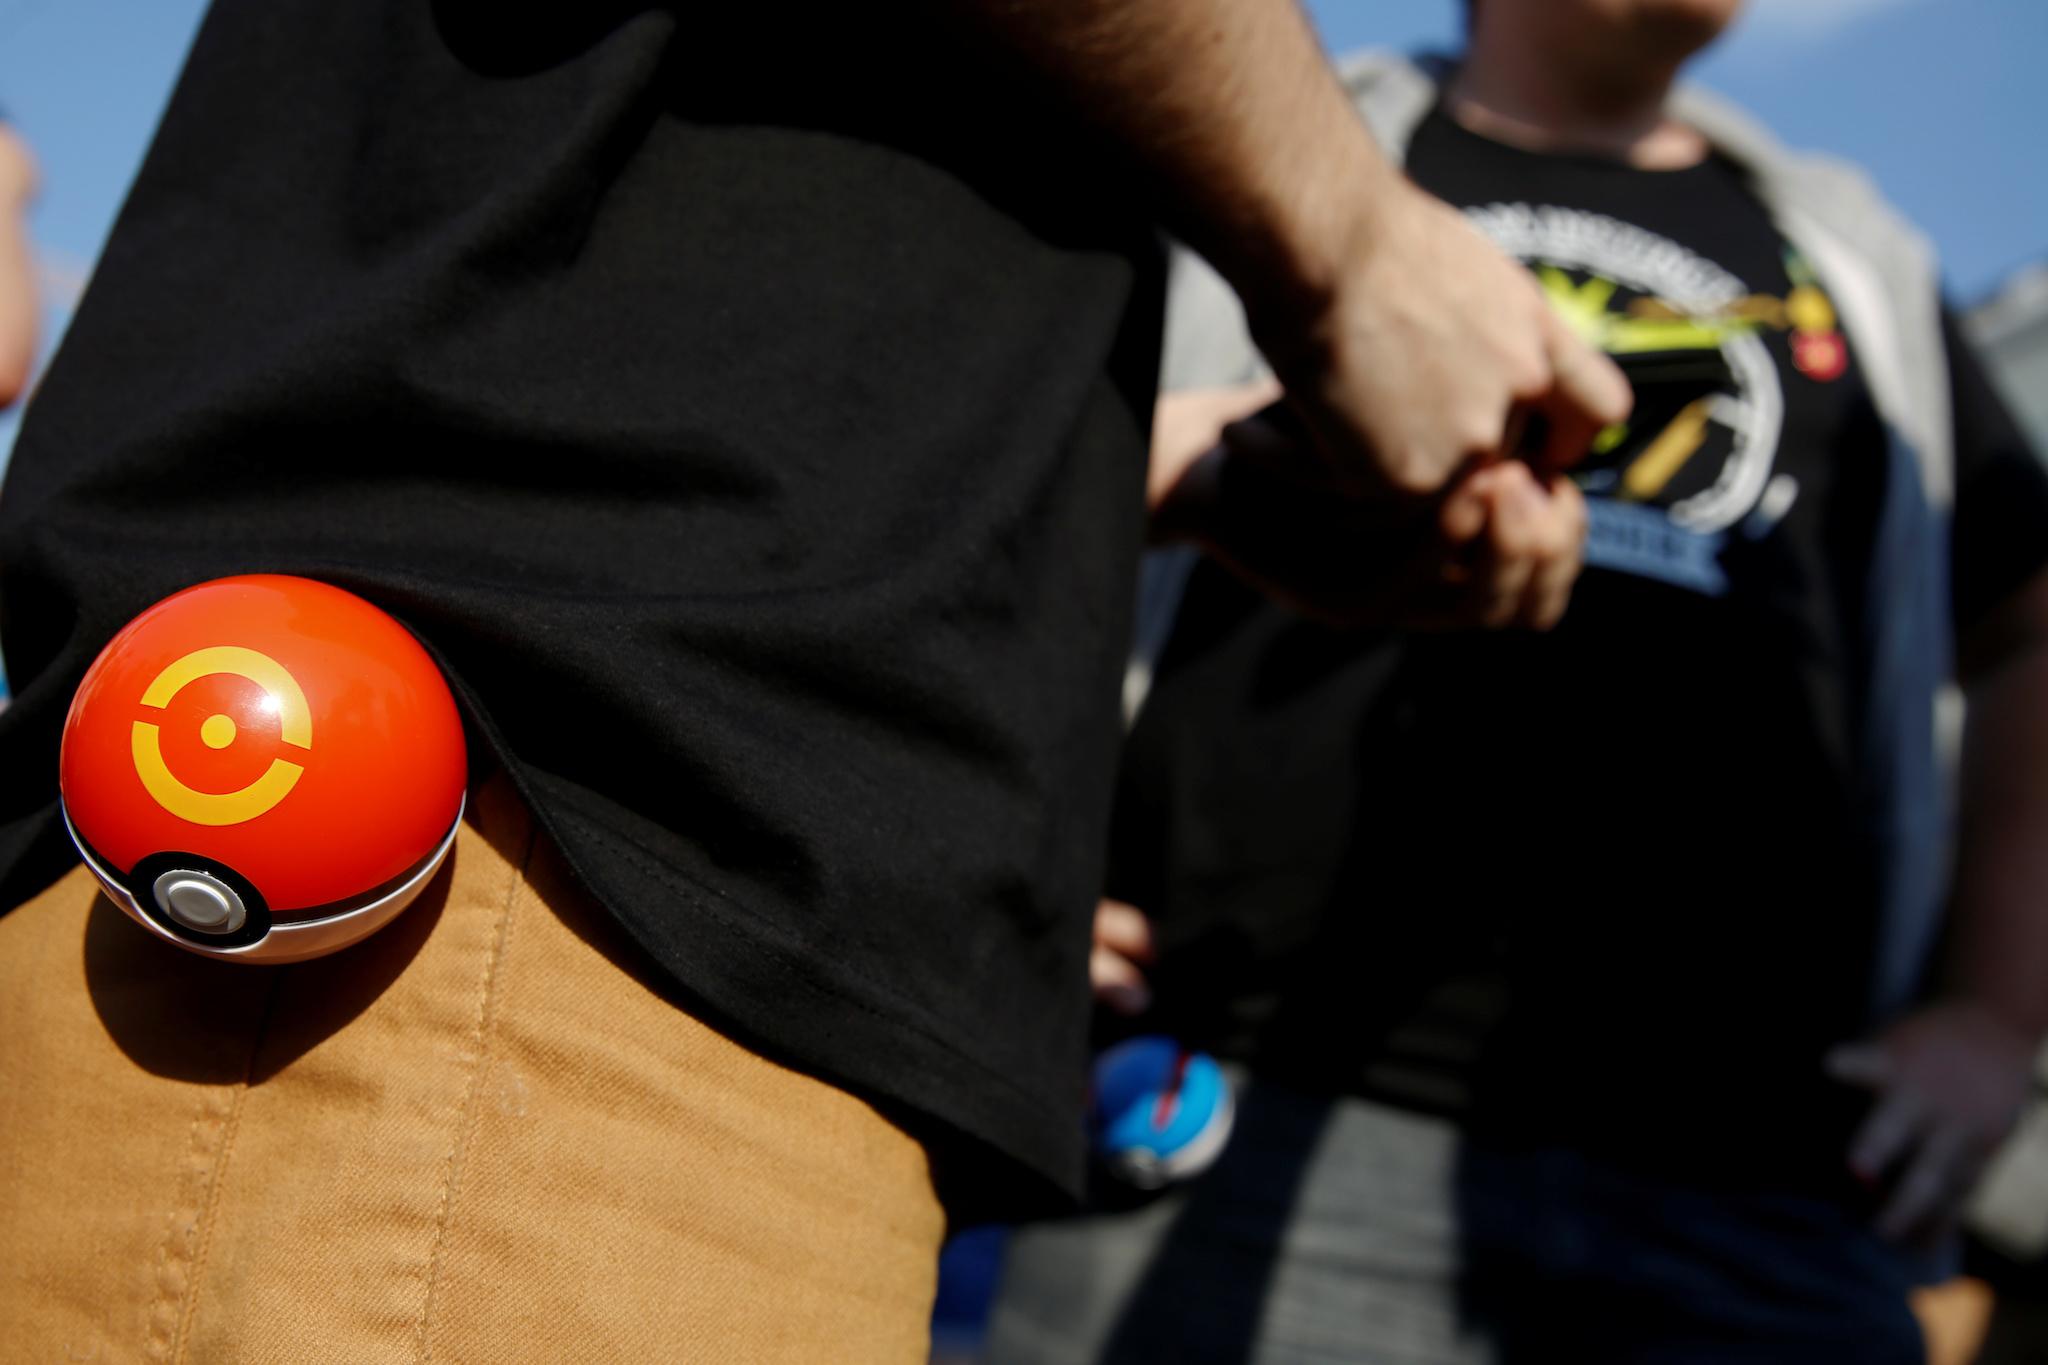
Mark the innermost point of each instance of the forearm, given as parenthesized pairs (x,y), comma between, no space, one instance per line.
(1230,110)
(17,272)
(1999,941)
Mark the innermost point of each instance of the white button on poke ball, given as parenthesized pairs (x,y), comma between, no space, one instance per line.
(199,902)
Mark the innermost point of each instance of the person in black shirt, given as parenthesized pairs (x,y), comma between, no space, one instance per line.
(748,407)
(1663,1065)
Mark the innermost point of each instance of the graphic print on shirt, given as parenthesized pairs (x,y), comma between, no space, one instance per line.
(1694,463)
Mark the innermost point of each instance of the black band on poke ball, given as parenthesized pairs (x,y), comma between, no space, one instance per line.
(142,886)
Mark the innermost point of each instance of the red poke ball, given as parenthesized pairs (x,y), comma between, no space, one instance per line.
(263,769)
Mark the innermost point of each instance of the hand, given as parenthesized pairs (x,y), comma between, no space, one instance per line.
(1511,544)
(1427,348)
(1188,423)
(1950,1080)
(1117,962)
(1501,548)
(18,304)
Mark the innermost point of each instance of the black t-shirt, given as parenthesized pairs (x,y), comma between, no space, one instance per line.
(747,405)
(1602,885)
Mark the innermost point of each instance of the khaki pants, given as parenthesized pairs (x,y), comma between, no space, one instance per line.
(478,1136)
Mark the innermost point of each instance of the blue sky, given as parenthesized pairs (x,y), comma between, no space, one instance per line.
(1945,100)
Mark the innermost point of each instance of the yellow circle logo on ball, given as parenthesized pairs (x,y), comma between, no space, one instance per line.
(281,692)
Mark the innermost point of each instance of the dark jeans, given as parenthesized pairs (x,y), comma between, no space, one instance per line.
(1337,1230)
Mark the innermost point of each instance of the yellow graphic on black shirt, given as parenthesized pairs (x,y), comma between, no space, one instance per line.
(1653,338)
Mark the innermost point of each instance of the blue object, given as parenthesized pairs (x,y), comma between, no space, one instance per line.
(1162,1112)
(970,1268)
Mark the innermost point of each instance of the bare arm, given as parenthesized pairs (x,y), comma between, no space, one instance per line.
(1951,1077)
(2000,946)
(17,270)
(1231,110)
(1404,339)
